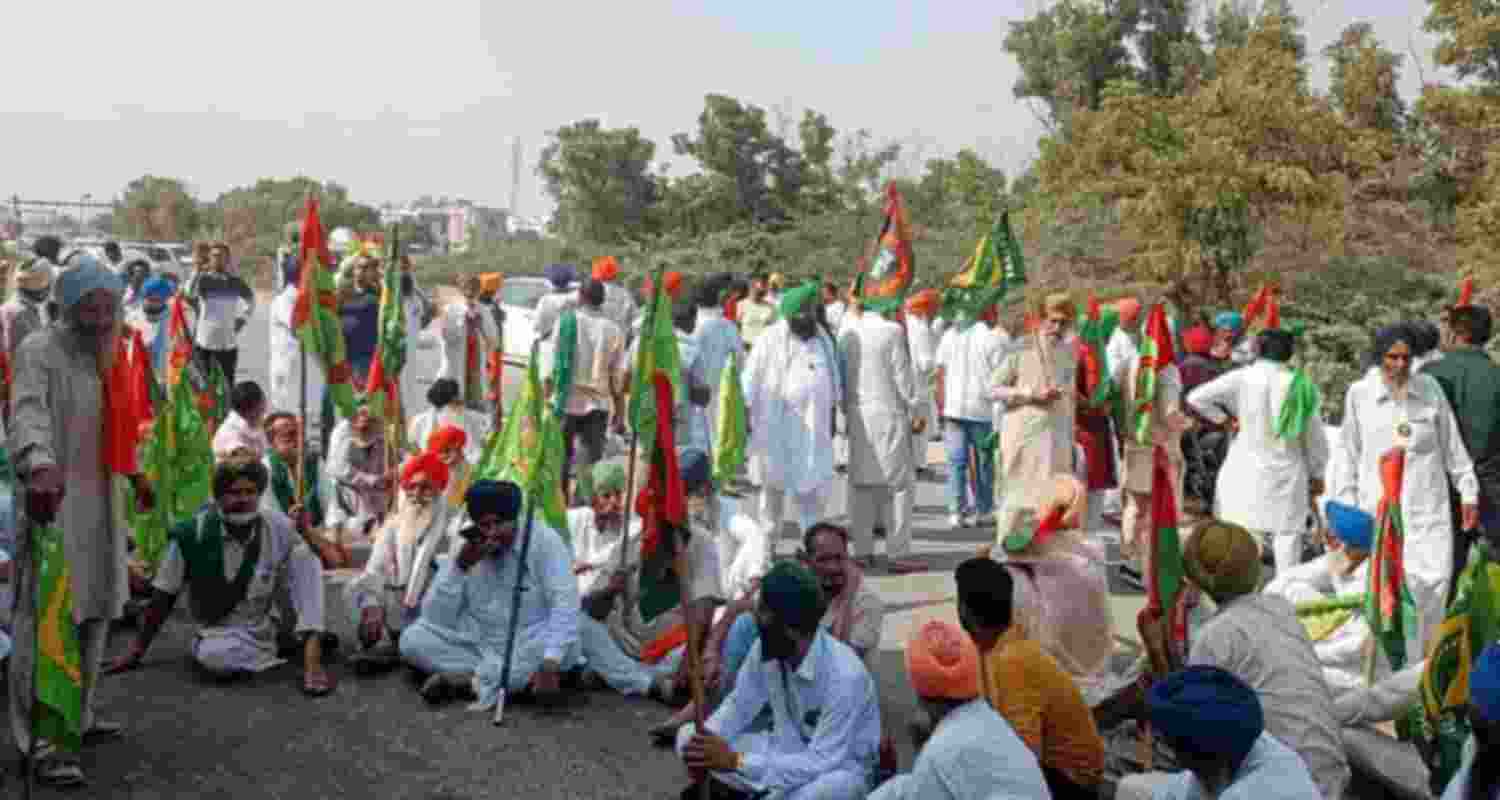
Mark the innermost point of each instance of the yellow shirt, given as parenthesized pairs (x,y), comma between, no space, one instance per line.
(1046,709)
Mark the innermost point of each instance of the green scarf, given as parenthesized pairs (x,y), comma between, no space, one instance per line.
(201,543)
(1301,404)
(562,363)
(285,489)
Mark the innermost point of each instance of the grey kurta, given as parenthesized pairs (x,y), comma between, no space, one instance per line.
(58,419)
(880,401)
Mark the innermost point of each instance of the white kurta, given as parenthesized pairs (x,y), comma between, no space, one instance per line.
(879,403)
(717,339)
(475,425)
(791,390)
(401,567)
(923,343)
(1435,454)
(973,753)
(286,364)
(618,305)
(598,550)
(745,547)
(455,337)
(1263,484)
(1341,652)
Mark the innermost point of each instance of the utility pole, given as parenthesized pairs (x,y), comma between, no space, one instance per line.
(515,177)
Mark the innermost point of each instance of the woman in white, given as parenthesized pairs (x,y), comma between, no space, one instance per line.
(1395,407)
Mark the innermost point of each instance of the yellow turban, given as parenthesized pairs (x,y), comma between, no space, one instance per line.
(1223,559)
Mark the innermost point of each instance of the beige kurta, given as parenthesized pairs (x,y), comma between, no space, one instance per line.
(1167,424)
(1037,441)
(58,419)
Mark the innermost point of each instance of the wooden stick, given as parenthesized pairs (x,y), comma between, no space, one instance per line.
(694,653)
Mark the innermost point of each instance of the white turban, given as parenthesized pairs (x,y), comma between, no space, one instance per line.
(84,277)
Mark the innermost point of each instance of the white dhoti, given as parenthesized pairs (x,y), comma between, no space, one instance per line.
(432,649)
(887,507)
(746,547)
(624,674)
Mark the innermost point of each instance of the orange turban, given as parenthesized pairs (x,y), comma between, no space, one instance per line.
(606,268)
(446,437)
(925,302)
(489,282)
(942,662)
(427,464)
(1130,310)
(673,282)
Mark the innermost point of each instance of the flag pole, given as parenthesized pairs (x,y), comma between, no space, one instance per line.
(694,653)
(515,605)
(33,591)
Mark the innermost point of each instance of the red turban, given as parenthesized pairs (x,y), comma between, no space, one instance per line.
(1130,310)
(925,302)
(427,464)
(673,282)
(606,268)
(1198,339)
(445,437)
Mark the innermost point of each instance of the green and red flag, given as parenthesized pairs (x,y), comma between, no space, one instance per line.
(655,351)
(180,342)
(1094,367)
(58,716)
(662,506)
(1156,355)
(1472,623)
(732,423)
(1163,621)
(1389,608)
(383,390)
(1263,312)
(315,317)
(882,287)
(529,452)
(178,462)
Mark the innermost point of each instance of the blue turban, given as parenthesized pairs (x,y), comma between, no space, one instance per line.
(1354,527)
(560,275)
(1484,684)
(89,275)
(695,470)
(1229,319)
(792,591)
(157,287)
(1206,711)
(498,498)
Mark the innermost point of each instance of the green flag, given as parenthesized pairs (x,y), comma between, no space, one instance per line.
(59,677)
(1301,404)
(656,350)
(529,452)
(1473,622)
(729,439)
(179,464)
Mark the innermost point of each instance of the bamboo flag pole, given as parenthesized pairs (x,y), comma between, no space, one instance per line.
(694,654)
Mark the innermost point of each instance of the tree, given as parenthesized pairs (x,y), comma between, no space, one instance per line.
(964,191)
(1167,44)
(734,142)
(1069,53)
(1469,32)
(157,209)
(1198,177)
(1363,77)
(601,180)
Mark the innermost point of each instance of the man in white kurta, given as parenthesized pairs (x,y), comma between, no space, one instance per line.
(61,466)
(792,390)
(966,360)
(287,364)
(463,320)
(1267,479)
(1394,407)
(460,637)
(563,296)
(1036,384)
(597,530)
(387,596)
(152,318)
(235,559)
(717,339)
(879,406)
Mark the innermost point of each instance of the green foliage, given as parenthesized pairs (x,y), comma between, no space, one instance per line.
(157,209)
(601,180)
(1362,79)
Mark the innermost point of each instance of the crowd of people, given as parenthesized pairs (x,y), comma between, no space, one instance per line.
(486,601)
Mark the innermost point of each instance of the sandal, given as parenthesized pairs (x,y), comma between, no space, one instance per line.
(318,684)
(55,769)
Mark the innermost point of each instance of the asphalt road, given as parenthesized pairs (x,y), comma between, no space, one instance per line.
(263,739)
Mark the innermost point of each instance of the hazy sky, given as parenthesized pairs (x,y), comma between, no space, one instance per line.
(396,100)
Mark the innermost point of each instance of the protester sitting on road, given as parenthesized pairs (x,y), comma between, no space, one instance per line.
(236,559)
(1479,777)
(972,751)
(596,530)
(635,655)
(1025,684)
(240,434)
(853,616)
(387,596)
(359,466)
(460,639)
(825,737)
(1214,726)
(448,443)
(285,463)
(1257,638)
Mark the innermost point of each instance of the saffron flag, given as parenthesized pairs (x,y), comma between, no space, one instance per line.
(59,676)
(315,317)
(1163,622)
(732,424)
(883,286)
(1093,336)
(1156,355)
(1473,621)
(662,506)
(528,451)
(1389,608)
(656,351)
(178,462)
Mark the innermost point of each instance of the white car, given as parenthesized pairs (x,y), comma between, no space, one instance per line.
(518,298)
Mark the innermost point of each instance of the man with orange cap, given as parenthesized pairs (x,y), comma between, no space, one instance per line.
(387,596)
(973,751)
(618,305)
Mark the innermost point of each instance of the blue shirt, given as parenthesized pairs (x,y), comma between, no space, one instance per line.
(1272,771)
(826,716)
(973,753)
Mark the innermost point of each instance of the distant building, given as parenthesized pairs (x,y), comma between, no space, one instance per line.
(454,225)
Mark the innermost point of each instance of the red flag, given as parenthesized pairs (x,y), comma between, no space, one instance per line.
(1160,332)
(494,371)
(315,245)
(181,342)
(1264,308)
(663,499)
(127,403)
(1466,291)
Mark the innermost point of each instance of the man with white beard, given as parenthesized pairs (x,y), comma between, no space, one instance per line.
(387,596)
(792,391)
